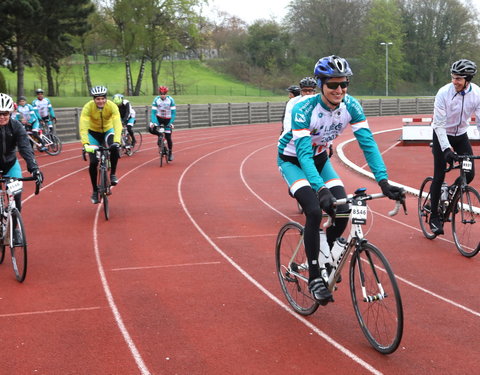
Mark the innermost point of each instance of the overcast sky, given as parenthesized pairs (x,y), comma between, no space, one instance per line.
(251,10)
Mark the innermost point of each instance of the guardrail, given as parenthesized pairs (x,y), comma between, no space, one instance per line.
(221,114)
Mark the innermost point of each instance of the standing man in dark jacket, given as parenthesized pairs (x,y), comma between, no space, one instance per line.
(13,135)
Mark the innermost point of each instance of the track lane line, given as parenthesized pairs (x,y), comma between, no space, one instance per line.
(370,175)
(257,284)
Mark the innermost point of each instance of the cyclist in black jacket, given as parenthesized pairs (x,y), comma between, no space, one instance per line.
(13,136)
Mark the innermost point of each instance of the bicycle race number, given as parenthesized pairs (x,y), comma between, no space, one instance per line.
(467,165)
(14,187)
(359,212)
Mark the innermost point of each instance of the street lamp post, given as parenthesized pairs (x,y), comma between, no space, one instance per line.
(386,44)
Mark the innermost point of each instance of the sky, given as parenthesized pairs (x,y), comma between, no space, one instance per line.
(251,10)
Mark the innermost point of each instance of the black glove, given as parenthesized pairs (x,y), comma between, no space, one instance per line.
(450,156)
(38,175)
(327,200)
(114,146)
(54,120)
(392,192)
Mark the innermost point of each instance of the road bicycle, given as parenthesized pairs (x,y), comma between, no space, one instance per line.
(163,149)
(104,186)
(12,231)
(51,142)
(126,142)
(373,288)
(459,204)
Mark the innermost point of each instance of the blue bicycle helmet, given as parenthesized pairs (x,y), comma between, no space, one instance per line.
(331,67)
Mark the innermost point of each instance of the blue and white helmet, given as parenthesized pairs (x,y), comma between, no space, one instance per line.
(98,91)
(331,67)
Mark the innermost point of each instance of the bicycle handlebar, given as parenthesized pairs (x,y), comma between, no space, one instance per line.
(452,165)
(367,197)
(37,183)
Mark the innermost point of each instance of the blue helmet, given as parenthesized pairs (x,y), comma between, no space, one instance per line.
(332,66)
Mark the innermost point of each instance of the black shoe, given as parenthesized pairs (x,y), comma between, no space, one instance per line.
(170,156)
(319,291)
(436,225)
(113,179)
(94,198)
(329,268)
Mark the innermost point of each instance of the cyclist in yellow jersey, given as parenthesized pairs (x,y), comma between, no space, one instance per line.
(100,125)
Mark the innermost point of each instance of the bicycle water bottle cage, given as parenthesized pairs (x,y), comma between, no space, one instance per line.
(360,191)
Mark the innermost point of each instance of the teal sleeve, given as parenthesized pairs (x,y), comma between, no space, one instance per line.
(372,153)
(153,116)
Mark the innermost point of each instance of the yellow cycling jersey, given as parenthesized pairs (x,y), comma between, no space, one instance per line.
(100,120)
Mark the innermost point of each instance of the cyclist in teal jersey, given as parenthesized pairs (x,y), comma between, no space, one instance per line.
(304,163)
(164,112)
(43,109)
(27,115)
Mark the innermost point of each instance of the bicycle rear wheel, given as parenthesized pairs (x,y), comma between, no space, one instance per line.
(55,147)
(18,246)
(376,298)
(424,208)
(292,268)
(466,222)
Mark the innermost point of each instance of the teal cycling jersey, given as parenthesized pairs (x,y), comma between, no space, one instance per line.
(163,108)
(43,108)
(27,113)
(315,126)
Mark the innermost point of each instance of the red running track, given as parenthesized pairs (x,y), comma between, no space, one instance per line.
(181,279)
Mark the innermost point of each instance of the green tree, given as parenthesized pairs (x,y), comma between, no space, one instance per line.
(17,34)
(382,26)
(267,46)
(325,27)
(58,21)
(439,32)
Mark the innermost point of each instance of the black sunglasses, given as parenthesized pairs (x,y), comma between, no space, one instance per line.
(334,85)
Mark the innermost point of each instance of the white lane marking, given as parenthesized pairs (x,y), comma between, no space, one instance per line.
(319,332)
(164,266)
(27,313)
(111,302)
(344,159)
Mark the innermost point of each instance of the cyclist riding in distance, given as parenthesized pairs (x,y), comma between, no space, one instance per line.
(454,105)
(100,125)
(304,164)
(127,114)
(44,110)
(28,117)
(13,136)
(164,112)
(307,87)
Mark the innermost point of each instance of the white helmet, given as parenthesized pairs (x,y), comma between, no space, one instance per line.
(99,91)
(6,103)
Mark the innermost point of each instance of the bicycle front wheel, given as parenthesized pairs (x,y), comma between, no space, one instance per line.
(138,141)
(56,145)
(424,208)
(18,246)
(292,269)
(104,192)
(376,298)
(466,222)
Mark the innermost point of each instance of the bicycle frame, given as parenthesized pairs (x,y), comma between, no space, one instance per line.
(447,207)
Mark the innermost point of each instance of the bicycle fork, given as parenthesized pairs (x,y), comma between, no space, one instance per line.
(381,292)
